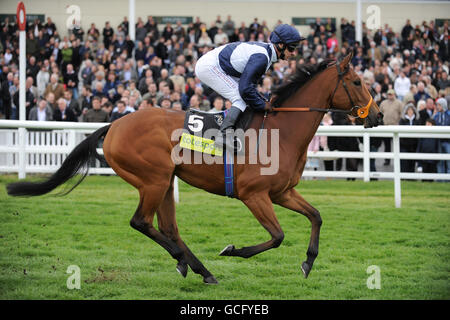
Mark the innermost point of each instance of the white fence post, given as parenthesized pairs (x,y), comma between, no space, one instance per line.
(397,170)
(21,153)
(366,159)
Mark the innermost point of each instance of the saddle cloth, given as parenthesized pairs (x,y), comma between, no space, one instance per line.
(198,135)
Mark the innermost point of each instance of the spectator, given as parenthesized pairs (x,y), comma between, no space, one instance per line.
(351,144)
(120,111)
(312,163)
(141,31)
(87,72)
(51,101)
(165,103)
(99,79)
(401,86)
(127,74)
(176,105)
(392,109)
(108,33)
(430,88)
(71,80)
(72,103)
(421,93)
(145,104)
(54,87)
(428,145)
(228,104)
(67,53)
(5,99)
(427,112)
(409,118)
(96,114)
(220,38)
(194,102)
(178,77)
(42,112)
(409,97)
(327,162)
(228,26)
(63,113)
(374,53)
(330,27)
(42,80)
(332,44)
(218,105)
(204,40)
(407,29)
(32,68)
(30,99)
(339,143)
(93,33)
(442,118)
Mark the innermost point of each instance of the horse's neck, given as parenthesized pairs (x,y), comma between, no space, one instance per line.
(303,125)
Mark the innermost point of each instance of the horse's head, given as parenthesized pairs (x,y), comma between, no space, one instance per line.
(351,95)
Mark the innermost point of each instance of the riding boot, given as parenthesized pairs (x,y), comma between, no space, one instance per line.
(227,127)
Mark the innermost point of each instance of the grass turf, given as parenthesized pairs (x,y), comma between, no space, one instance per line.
(41,237)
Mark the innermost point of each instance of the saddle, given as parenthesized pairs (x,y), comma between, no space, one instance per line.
(201,127)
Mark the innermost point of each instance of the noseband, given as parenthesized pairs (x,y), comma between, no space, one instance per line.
(355,111)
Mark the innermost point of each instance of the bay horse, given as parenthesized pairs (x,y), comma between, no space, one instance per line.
(138,148)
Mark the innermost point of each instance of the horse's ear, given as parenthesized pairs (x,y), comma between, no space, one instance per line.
(346,60)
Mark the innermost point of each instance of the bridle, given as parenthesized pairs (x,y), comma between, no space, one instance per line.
(355,111)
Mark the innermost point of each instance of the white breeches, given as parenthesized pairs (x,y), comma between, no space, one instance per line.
(210,73)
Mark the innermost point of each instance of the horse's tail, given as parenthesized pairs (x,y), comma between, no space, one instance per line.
(74,163)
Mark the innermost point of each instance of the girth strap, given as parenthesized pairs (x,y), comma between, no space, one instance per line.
(228,167)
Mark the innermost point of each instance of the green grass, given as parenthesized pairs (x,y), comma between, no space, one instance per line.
(41,236)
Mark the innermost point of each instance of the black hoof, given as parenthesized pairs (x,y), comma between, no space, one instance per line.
(182,268)
(210,280)
(305,269)
(227,251)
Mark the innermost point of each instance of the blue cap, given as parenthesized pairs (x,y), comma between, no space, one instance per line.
(285,33)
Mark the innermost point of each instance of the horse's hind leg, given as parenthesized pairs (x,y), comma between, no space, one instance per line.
(262,209)
(151,197)
(168,227)
(294,201)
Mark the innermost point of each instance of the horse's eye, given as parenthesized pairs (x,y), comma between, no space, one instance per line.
(357,82)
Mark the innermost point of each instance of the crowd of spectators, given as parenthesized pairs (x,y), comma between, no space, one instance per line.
(93,76)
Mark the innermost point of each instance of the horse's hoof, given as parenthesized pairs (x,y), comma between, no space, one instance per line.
(210,280)
(182,268)
(305,269)
(227,251)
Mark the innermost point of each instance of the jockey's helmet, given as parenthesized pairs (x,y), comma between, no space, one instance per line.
(286,34)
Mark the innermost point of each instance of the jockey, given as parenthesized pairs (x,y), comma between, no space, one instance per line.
(233,70)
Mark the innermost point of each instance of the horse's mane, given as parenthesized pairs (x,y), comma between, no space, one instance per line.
(298,79)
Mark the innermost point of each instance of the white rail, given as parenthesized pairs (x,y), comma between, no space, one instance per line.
(44,151)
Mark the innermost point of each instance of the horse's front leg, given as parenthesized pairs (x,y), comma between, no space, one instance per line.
(261,207)
(292,200)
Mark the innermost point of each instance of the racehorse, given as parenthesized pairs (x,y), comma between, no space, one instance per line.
(138,148)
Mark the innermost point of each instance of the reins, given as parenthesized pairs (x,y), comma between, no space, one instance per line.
(359,112)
